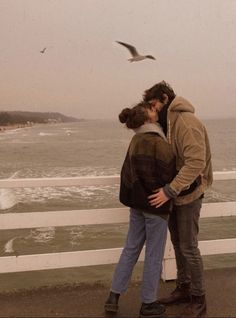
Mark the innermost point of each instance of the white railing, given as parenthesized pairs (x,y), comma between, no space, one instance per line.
(33,262)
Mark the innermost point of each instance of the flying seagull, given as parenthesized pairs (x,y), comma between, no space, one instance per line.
(135,55)
(43,50)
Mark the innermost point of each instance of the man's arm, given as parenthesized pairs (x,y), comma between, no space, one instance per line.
(191,142)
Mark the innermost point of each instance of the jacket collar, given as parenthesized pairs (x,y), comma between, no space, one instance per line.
(150,127)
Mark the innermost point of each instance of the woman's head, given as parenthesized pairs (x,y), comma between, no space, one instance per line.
(138,115)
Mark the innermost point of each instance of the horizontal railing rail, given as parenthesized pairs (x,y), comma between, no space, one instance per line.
(9,221)
(85,181)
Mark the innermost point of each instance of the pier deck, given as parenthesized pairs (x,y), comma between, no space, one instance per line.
(87,300)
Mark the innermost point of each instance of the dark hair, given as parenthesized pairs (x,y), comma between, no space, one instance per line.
(136,116)
(157,91)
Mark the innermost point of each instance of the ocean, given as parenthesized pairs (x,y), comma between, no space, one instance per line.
(87,148)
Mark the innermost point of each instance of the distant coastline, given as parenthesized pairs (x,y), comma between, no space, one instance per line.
(21,119)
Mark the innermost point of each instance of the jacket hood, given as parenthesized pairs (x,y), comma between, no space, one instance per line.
(180,104)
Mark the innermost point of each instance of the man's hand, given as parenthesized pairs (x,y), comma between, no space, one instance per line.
(158,199)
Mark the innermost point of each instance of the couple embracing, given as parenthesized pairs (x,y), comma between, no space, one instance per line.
(166,170)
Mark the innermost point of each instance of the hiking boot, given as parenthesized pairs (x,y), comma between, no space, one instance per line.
(197,307)
(181,294)
(152,310)
(111,304)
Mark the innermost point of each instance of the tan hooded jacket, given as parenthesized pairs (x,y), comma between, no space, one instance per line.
(190,143)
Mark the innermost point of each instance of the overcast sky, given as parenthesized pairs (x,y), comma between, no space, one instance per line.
(85,73)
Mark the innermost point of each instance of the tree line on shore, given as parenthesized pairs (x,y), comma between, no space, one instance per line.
(24,117)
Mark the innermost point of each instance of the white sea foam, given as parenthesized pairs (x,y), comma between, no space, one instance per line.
(7,199)
(218,196)
(8,247)
(76,234)
(66,172)
(43,194)
(46,134)
(12,131)
(42,235)
(68,132)
(7,196)
(14,175)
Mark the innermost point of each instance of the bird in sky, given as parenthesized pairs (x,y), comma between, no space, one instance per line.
(43,50)
(135,55)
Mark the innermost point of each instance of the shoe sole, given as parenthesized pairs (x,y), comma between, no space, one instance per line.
(111,308)
(153,316)
(176,302)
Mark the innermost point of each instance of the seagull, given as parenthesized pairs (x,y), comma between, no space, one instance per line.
(135,55)
(43,50)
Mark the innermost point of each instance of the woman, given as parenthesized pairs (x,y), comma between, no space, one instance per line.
(149,164)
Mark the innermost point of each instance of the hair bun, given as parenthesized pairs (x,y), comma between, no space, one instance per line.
(124,115)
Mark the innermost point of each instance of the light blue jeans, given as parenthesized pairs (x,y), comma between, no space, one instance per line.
(152,229)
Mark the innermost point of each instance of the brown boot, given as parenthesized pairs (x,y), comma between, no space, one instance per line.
(197,307)
(181,294)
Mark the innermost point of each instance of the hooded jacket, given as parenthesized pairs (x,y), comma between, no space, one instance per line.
(190,144)
(149,164)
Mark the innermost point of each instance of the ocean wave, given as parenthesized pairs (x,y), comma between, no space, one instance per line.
(12,131)
(75,235)
(7,199)
(41,235)
(78,197)
(8,247)
(46,134)
(66,172)
(60,194)
(38,235)
(69,131)
(216,196)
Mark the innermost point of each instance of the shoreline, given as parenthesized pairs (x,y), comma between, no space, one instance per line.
(12,127)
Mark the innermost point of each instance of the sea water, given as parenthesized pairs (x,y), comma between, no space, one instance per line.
(86,148)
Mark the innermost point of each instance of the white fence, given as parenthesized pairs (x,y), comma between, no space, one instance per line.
(96,216)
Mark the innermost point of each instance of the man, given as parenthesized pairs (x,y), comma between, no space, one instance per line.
(190,144)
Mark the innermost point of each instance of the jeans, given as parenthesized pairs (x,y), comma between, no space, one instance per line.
(153,230)
(184,228)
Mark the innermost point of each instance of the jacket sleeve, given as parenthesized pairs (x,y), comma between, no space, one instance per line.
(191,143)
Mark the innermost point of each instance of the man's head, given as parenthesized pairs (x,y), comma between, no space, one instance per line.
(159,95)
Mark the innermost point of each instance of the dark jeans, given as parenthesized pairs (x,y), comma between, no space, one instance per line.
(184,228)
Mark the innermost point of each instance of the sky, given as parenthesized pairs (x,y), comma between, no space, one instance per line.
(84,73)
